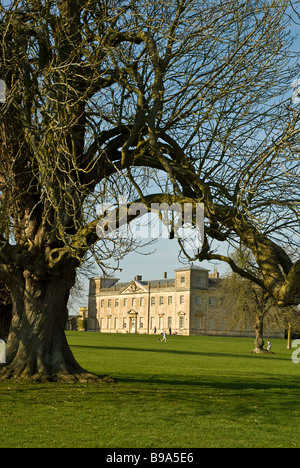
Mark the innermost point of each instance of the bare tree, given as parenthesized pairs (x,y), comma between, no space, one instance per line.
(239,149)
(247,303)
(97,91)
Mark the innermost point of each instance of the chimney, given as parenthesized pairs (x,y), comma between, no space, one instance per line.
(165,275)
(215,274)
(138,278)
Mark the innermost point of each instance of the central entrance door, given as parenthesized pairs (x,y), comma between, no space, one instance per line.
(132,325)
(132,321)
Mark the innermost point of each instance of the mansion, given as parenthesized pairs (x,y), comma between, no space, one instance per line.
(189,304)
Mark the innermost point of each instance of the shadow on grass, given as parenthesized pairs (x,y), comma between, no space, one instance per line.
(223,383)
(223,380)
(183,352)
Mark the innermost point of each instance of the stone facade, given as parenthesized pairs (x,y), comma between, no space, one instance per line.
(188,304)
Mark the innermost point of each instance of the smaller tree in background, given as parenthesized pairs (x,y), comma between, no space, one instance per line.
(251,304)
(291,321)
(248,303)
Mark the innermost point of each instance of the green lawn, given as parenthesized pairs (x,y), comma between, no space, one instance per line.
(188,392)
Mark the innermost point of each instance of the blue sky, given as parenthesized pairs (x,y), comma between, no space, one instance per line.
(162,258)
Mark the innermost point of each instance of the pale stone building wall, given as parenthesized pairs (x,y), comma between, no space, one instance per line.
(189,304)
(179,304)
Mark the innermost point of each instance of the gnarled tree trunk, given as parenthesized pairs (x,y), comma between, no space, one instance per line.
(37,347)
(259,332)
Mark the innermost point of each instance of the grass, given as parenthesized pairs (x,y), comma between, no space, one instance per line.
(186,393)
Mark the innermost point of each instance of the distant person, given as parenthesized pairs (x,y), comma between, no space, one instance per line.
(154,330)
(170,331)
(164,337)
(269,347)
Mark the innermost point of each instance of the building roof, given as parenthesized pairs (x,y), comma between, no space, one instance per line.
(191,267)
(161,282)
(168,281)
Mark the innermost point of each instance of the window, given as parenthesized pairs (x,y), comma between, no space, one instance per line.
(133,302)
(182,279)
(152,323)
(109,303)
(125,302)
(210,323)
(181,323)
(169,322)
(109,322)
(124,323)
(161,300)
(152,300)
(161,323)
(116,323)
(198,323)
(170,300)
(117,303)
(142,301)
(198,300)
(211,301)
(142,322)
(102,303)
(181,300)
(199,280)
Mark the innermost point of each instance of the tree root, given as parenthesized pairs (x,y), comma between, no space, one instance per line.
(260,351)
(7,374)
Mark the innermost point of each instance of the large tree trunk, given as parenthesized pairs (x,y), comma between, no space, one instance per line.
(259,332)
(37,347)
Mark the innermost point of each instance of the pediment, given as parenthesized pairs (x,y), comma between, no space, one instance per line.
(134,287)
(132,313)
(181,312)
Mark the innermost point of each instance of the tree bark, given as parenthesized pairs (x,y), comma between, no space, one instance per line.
(37,347)
(259,332)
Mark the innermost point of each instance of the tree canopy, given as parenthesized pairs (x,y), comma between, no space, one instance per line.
(102,96)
